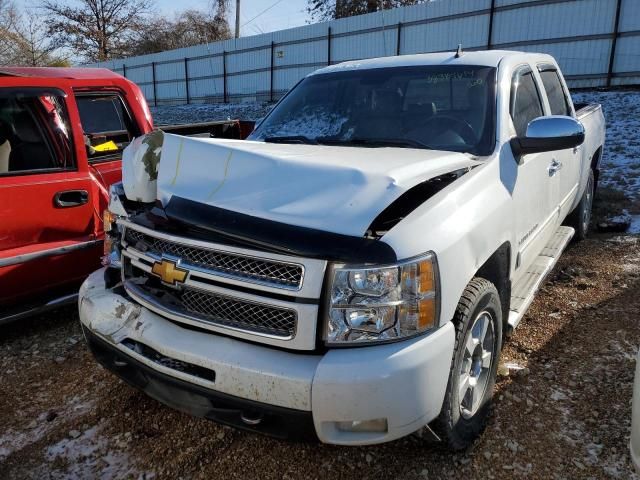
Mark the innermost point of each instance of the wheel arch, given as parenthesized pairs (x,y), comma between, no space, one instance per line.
(496,270)
(595,165)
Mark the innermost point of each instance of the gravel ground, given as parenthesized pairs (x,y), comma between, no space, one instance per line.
(565,414)
(562,404)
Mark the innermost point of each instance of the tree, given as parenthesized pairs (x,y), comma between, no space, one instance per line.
(323,10)
(35,47)
(96,30)
(9,18)
(191,27)
(24,39)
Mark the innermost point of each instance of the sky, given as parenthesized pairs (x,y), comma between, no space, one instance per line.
(279,14)
(254,20)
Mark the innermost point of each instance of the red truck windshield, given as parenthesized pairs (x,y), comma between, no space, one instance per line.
(438,107)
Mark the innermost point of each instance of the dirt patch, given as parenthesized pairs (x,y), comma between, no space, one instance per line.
(566,414)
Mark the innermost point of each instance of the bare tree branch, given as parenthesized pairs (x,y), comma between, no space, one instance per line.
(96,30)
(323,10)
(191,27)
(24,39)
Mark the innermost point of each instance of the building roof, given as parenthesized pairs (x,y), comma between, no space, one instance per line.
(59,72)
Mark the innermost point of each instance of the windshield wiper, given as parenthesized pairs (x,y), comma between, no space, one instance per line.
(375,142)
(291,139)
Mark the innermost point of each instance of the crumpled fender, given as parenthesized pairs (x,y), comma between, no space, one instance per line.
(140,162)
(105,313)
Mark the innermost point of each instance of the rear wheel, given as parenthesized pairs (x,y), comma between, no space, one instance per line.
(478,324)
(580,218)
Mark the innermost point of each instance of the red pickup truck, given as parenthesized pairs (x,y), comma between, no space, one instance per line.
(62,132)
(53,186)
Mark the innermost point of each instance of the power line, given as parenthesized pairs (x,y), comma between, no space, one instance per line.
(261,13)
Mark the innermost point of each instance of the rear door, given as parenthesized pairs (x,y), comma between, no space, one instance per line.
(108,127)
(47,216)
(536,191)
(568,160)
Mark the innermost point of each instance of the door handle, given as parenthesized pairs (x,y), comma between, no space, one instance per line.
(554,166)
(70,198)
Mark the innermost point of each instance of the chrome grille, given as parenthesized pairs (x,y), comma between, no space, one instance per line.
(210,307)
(243,267)
(236,313)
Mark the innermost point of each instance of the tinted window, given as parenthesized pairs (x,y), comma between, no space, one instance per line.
(34,134)
(106,124)
(439,107)
(555,93)
(525,101)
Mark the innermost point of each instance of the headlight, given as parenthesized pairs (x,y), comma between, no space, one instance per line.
(113,231)
(111,251)
(381,304)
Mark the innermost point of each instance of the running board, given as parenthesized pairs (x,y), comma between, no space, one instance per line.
(37,309)
(523,292)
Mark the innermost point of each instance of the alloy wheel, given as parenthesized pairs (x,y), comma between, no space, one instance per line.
(476,364)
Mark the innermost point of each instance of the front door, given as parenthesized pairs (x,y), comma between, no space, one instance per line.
(537,187)
(47,219)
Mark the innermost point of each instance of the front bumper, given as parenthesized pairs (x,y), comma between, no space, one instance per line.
(280,393)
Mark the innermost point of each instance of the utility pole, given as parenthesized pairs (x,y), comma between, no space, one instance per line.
(237,18)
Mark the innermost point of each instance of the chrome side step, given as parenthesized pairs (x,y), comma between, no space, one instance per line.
(523,292)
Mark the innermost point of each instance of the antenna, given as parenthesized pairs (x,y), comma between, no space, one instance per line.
(459,51)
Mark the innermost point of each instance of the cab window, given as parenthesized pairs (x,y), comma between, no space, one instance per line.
(107,125)
(555,93)
(526,104)
(34,133)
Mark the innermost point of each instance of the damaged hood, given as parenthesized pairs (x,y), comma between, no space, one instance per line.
(331,188)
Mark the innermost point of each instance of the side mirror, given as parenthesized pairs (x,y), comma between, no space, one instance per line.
(546,134)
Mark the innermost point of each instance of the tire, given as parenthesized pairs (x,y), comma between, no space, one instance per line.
(462,420)
(580,218)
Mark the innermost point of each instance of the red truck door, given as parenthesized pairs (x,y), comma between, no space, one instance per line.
(47,210)
(108,126)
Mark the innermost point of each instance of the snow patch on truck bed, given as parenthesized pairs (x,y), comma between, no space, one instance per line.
(620,167)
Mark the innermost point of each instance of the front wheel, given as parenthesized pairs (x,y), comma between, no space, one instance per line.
(478,324)
(580,218)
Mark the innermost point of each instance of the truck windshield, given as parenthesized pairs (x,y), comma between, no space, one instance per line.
(436,107)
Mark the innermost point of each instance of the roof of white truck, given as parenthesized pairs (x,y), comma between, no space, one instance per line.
(489,58)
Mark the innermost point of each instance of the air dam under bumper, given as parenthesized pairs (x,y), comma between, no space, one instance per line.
(239,383)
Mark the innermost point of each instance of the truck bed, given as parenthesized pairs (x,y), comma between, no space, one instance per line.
(584,109)
(235,129)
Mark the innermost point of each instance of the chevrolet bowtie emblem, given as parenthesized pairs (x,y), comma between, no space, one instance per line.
(169,272)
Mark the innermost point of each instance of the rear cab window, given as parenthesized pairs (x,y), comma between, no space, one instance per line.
(556,94)
(106,123)
(525,101)
(35,135)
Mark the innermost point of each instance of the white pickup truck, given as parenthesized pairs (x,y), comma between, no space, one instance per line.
(349,273)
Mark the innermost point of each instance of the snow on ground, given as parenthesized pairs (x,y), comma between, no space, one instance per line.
(207,112)
(621,162)
(86,455)
(13,440)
